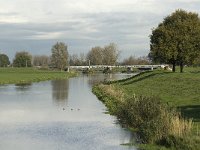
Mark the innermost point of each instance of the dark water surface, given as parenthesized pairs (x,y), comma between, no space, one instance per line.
(58,115)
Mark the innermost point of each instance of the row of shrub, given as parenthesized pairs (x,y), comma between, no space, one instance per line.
(154,122)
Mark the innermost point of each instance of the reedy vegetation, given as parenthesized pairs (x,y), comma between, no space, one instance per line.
(155,122)
(151,119)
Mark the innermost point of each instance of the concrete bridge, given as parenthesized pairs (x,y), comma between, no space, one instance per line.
(140,67)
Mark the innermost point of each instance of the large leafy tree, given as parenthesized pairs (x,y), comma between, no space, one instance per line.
(4,60)
(22,59)
(176,40)
(59,57)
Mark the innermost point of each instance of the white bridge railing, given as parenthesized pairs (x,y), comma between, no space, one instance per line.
(125,66)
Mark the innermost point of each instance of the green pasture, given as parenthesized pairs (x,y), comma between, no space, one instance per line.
(27,75)
(178,90)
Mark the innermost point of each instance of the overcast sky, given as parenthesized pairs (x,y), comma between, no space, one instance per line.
(35,25)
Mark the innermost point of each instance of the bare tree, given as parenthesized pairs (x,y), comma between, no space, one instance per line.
(74,60)
(83,59)
(144,60)
(132,60)
(95,56)
(110,54)
(59,58)
(103,56)
(77,60)
(41,60)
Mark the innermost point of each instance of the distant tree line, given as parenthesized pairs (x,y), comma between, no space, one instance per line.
(78,60)
(132,60)
(60,58)
(41,60)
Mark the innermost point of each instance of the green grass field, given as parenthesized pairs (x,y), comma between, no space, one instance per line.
(27,75)
(181,90)
(178,90)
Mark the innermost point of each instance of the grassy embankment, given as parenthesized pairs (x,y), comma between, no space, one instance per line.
(146,103)
(27,75)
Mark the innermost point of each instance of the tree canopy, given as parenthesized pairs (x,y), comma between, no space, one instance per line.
(59,57)
(176,40)
(107,55)
(22,59)
(111,54)
(4,60)
(95,55)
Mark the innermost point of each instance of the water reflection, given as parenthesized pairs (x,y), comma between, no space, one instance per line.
(60,91)
(23,87)
(98,78)
(32,119)
(94,80)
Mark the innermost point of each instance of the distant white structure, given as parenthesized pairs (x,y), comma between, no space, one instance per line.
(150,67)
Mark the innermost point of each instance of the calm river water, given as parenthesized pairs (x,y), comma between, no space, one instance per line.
(58,115)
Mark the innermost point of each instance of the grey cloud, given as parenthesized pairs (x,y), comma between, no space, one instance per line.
(121,28)
(129,29)
(8,13)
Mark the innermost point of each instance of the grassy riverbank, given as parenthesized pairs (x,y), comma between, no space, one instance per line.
(148,98)
(27,75)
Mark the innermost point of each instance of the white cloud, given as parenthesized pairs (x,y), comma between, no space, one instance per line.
(46,35)
(12,19)
(62,10)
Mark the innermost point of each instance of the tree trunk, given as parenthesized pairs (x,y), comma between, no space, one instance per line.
(174,66)
(181,67)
